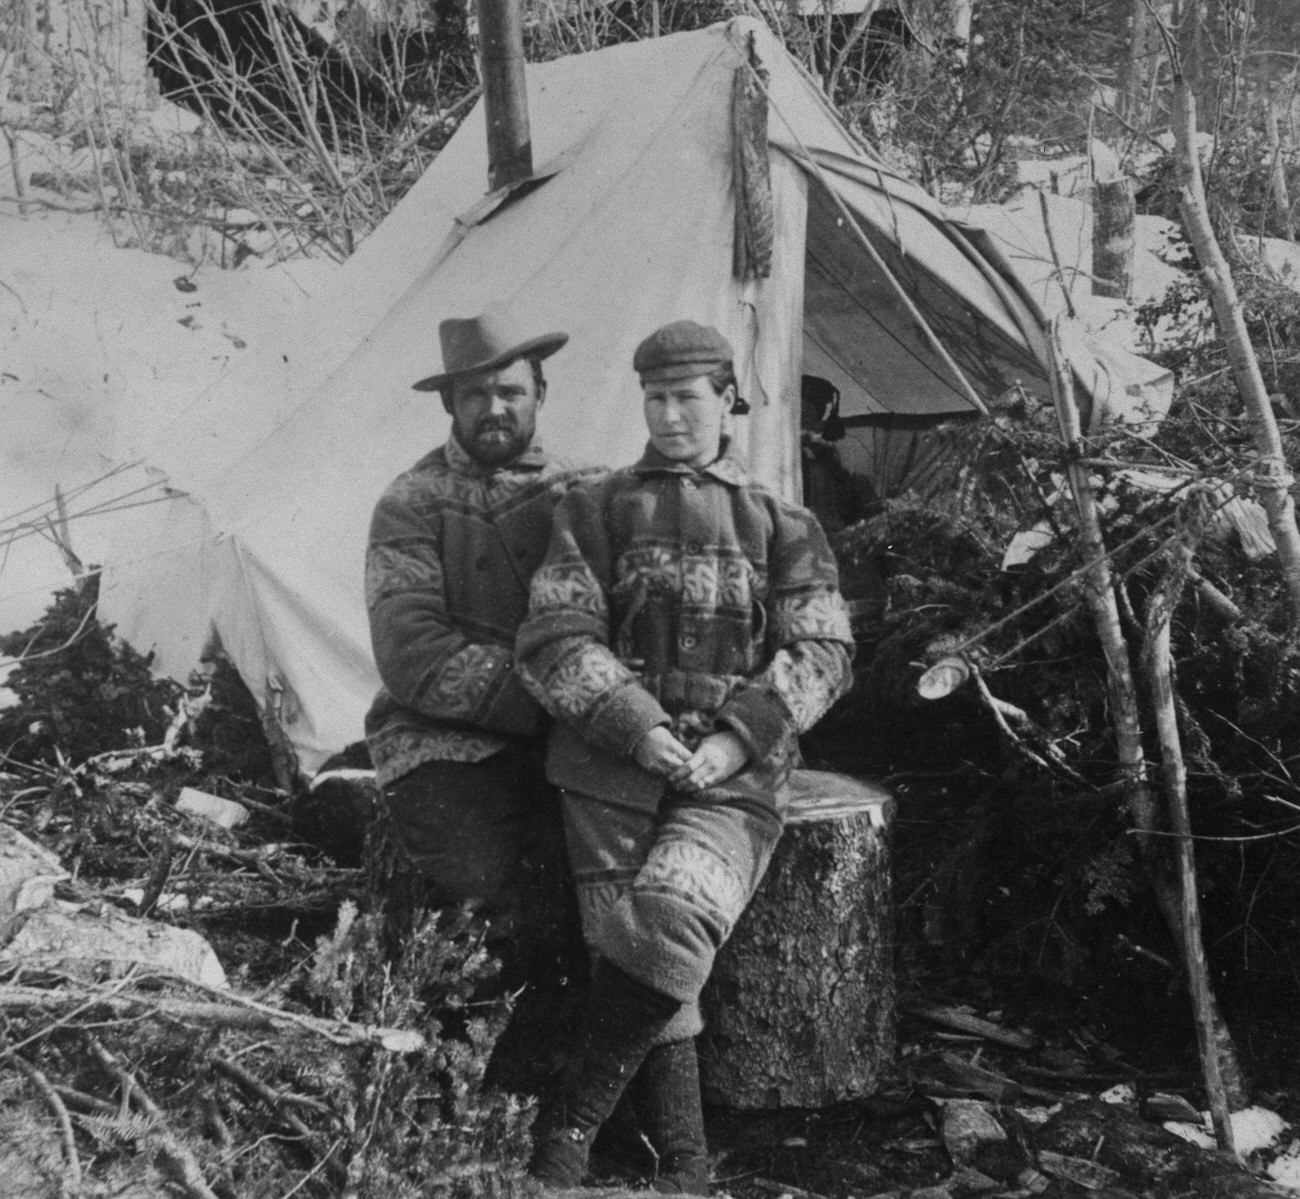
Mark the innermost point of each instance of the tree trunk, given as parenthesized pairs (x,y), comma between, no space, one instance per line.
(1273,478)
(1140,69)
(1113,213)
(1219,1067)
(1123,692)
(1281,194)
(1099,591)
(960,16)
(799,1010)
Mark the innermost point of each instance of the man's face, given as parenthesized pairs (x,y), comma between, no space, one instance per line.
(494,412)
(686,418)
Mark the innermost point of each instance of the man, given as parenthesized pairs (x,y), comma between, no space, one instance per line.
(454,542)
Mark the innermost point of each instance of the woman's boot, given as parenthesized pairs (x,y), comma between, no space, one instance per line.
(667,1099)
(623,1019)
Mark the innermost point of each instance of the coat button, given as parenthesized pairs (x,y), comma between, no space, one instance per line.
(688,641)
(693,547)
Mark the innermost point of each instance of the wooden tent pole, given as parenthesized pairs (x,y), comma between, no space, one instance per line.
(505,97)
(964,385)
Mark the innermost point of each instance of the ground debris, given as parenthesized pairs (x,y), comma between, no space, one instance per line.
(298,1077)
(964,1021)
(958,1119)
(1078,1170)
(331,1061)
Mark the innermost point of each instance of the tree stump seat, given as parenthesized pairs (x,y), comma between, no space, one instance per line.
(799,1011)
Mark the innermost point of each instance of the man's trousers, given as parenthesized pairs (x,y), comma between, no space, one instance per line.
(470,830)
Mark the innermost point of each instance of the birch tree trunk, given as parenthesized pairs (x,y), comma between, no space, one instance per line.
(1280,193)
(960,17)
(1100,596)
(1140,72)
(1273,478)
(1219,1067)
(1125,717)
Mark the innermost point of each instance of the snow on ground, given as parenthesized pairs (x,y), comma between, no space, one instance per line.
(100,346)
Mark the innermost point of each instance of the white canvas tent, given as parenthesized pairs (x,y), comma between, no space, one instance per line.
(628,224)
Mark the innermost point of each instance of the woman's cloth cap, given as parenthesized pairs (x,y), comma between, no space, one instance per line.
(681,350)
(480,343)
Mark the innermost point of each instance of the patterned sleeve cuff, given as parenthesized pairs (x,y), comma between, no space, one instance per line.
(760,718)
(619,723)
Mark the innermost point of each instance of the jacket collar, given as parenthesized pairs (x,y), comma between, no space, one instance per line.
(726,468)
(534,458)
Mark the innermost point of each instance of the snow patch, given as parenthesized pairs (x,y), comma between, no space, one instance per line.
(103,346)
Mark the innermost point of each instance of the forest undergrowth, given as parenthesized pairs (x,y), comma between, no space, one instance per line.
(1017,857)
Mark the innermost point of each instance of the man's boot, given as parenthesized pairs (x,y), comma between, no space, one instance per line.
(667,1098)
(623,1019)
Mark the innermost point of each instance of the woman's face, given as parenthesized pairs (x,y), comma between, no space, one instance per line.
(686,418)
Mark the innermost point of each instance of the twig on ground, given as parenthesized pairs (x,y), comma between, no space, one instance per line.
(215,1123)
(82,1004)
(55,1104)
(960,1021)
(279,1104)
(187,1170)
(255,857)
(80,1101)
(784,1188)
(236,1012)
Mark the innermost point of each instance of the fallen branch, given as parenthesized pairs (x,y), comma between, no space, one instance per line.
(82,1102)
(187,1170)
(1007,715)
(960,1021)
(278,1104)
(784,1188)
(1090,1175)
(55,1104)
(261,854)
(978,1080)
(237,1012)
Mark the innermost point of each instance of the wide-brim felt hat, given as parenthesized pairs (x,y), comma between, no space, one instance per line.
(480,343)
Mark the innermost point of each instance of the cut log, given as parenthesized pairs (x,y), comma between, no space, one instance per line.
(799,1011)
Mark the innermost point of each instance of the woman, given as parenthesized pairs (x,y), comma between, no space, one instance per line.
(684,628)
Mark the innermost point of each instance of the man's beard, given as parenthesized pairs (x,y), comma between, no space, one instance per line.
(493,451)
